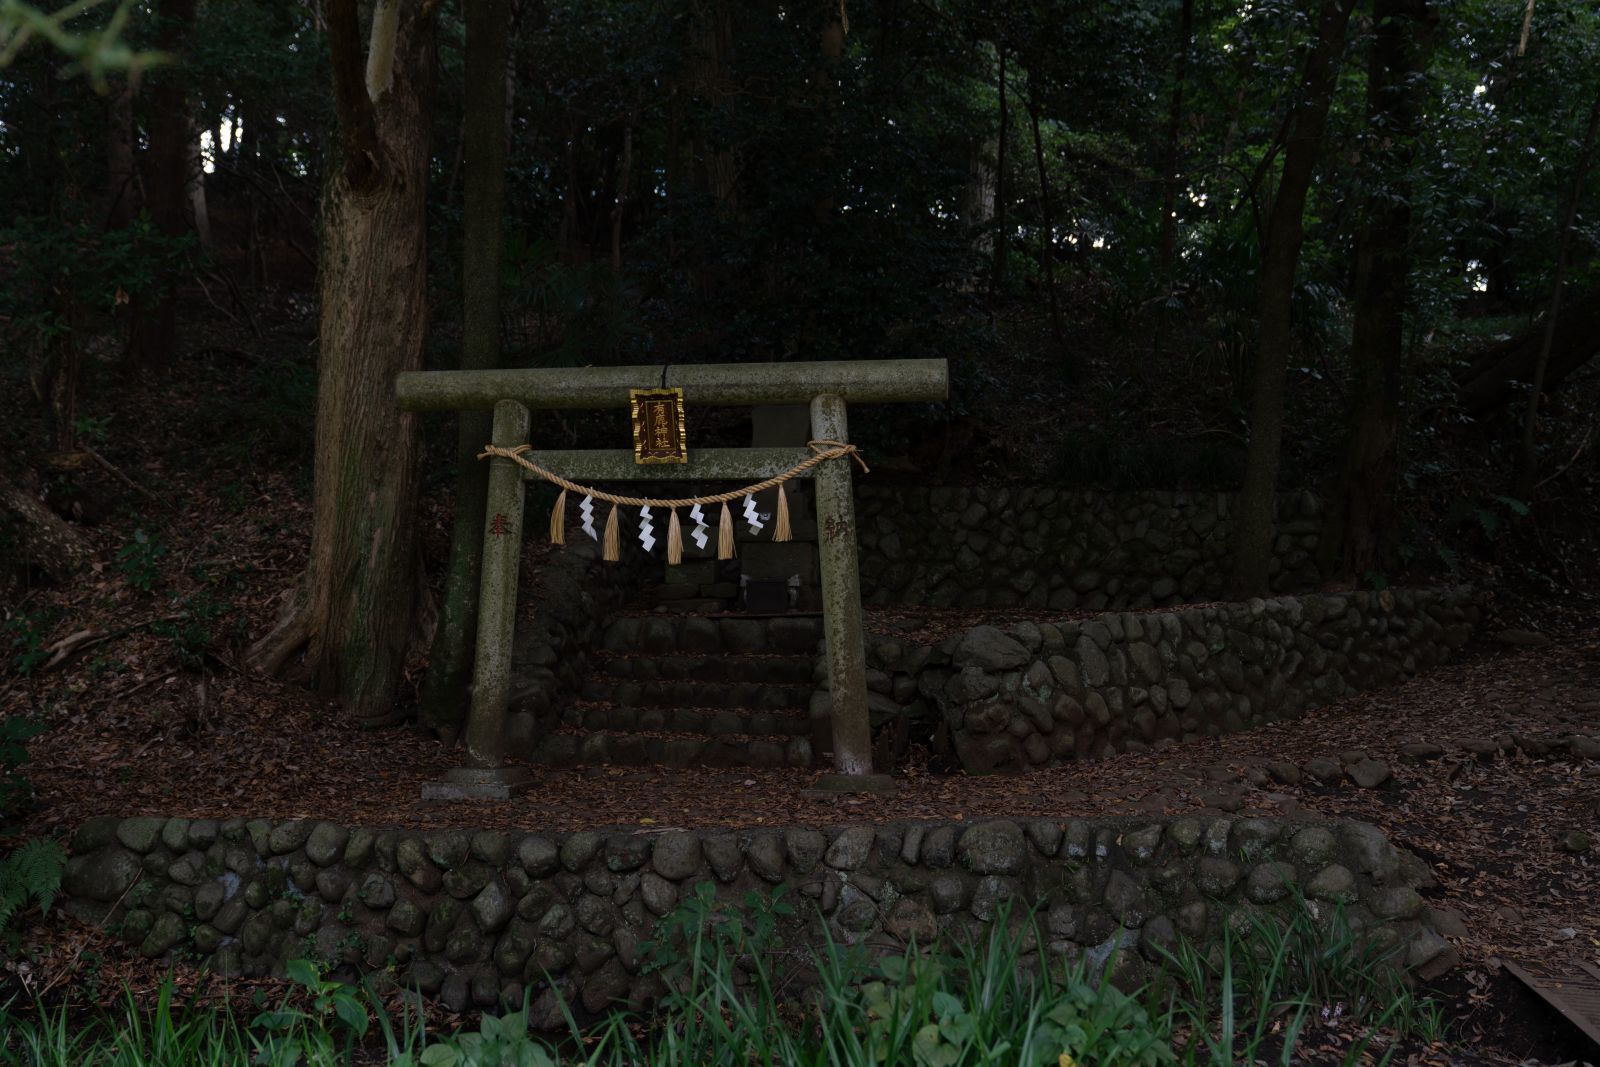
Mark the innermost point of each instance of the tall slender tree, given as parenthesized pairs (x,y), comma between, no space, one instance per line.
(445,692)
(1361,519)
(1280,255)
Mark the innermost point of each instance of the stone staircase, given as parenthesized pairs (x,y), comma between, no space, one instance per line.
(721,690)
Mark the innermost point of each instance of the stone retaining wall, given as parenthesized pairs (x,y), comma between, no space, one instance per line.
(480,918)
(1040,547)
(1033,694)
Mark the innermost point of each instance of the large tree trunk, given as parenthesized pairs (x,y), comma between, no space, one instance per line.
(356,610)
(42,538)
(1361,520)
(166,180)
(445,692)
(1280,255)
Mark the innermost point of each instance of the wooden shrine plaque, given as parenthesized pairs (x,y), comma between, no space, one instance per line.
(659,432)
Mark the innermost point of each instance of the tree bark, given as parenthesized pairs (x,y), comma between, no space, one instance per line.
(1280,255)
(1361,521)
(1528,466)
(360,584)
(42,537)
(446,690)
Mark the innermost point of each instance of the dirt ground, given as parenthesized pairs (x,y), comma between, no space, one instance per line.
(1491,828)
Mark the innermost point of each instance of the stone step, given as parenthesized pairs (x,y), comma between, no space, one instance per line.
(682,694)
(770,670)
(792,635)
(637,748)
(705,722)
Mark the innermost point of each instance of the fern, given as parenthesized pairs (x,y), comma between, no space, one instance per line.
(32,872)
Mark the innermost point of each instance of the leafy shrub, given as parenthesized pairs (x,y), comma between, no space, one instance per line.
(138,561)
(24,634)
(30,873)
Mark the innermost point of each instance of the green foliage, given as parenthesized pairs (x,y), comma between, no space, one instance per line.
(16,792)
(204,621)
(96,50)
(499,1042)
(24,634)
(323,1024)
(139,560)
(30,873)
(1276,972)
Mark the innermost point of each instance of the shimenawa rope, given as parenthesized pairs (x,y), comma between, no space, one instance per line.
(822,451)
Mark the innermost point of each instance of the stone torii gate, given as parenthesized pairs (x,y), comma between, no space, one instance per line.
(827,387)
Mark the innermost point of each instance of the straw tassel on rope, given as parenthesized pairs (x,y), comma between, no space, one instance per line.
(674,540)
(725,534)
(613,541)
(558,520)
(780,528)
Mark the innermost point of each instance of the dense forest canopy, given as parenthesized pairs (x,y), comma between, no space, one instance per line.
(1147,234)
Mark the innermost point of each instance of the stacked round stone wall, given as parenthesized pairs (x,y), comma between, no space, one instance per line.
(484,918)
(1040,547)
(1038,693)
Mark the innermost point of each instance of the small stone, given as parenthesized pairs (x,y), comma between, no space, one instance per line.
(140,834)
(1312,846)
(1269,882)
(1215,876)
(1518,638)
(538,856)
(1126,899)
(1324,770)
(722,853)
(1482,747)
(405,919)
(1283,772)
(995,847)
(1370,773)
(1446,921)
(1333,883)
(1421,751)
(491,908)
(805,848)
(1396,902)
(411,859)
(766,856)
(947,892)
(286,837)
(578,849)
(326,843)
(993,892)
(1575,841)
(377,892)
(1045,835)
(987,648)
(851,848)
(658,894)
(676,856)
